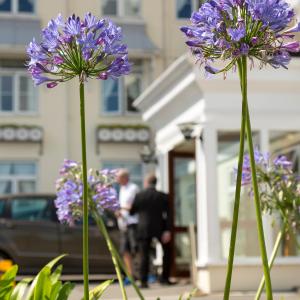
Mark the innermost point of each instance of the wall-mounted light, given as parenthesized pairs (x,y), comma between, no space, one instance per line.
(187,129)
(148,155)
(191,130)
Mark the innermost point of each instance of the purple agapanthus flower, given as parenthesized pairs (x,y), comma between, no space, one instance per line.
(85,48)
(278,185)
(230,29)
(279,167)
(69,193)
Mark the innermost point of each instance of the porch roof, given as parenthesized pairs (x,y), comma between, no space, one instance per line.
(182,86)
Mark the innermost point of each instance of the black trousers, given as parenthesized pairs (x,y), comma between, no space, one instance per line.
(144,247)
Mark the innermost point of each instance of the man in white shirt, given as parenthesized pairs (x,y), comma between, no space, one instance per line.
(127,223)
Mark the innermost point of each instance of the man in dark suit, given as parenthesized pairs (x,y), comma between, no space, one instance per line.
(152,208)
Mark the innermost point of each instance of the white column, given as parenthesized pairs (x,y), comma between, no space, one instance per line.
(208,229)
(162,171)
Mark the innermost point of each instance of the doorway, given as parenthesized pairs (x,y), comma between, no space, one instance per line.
(182,187)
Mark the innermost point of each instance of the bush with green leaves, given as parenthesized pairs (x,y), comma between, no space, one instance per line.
(47,285)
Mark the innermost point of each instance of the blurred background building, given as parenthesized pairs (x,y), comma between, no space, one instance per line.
(40,127)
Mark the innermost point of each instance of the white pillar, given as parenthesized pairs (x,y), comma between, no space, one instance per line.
(162,171)
(208,229)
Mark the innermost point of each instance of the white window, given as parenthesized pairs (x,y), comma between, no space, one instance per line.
(184,8)
(134,168)
(17,177)
(17,6)
(121,8)
(17,93)
(118,95)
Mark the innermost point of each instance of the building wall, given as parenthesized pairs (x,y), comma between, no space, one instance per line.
(58,108)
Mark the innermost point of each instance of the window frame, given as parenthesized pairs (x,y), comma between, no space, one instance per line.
(14,179)
(195,6)
(16,74)
(122,93)
(120,97)
(15,9)
(120,11)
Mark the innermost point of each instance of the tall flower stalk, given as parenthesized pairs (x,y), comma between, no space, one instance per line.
(233,32)
(87,48)
(85,227)
(243,73)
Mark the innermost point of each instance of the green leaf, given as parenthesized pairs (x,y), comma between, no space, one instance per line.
(20,289)
(54,261)
(42,288)
(56,287)
(10,274)
(6,282)
(65,291)
(40,281)
(56,274)
(6,292)
(97,292)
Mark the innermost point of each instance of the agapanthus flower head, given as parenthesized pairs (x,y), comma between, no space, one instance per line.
(226,30)
(69,192)
(87,48)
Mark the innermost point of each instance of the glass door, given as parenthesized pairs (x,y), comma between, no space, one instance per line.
(183,204)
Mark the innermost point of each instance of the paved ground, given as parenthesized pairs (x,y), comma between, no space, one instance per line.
(173,293)
(155,291)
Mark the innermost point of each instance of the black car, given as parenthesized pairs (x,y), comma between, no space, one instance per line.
(31,235)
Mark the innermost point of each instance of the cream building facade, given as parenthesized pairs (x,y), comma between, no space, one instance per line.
(40,127)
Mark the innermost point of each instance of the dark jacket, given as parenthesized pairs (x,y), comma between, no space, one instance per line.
(152,208)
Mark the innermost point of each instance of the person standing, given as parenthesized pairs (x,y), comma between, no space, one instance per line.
(127,223)
(152,208)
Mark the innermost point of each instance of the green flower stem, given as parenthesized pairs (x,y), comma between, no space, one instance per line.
(236,199)
(116,255)
(85,233)
(260,229)
(110,247)
(271,262)
(128,275)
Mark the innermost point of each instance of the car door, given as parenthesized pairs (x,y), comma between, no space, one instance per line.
(33,232)
(99,256)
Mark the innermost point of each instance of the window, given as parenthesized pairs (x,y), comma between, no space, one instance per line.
(17,93)
(17,6)
(30,209)
(121,8)
(135,169)
(119,95)
(227,160)
(111,96)
(17,177)
(184,8)
(133,86)
(2,208)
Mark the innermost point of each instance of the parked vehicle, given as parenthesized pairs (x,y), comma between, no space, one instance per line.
(30,235)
